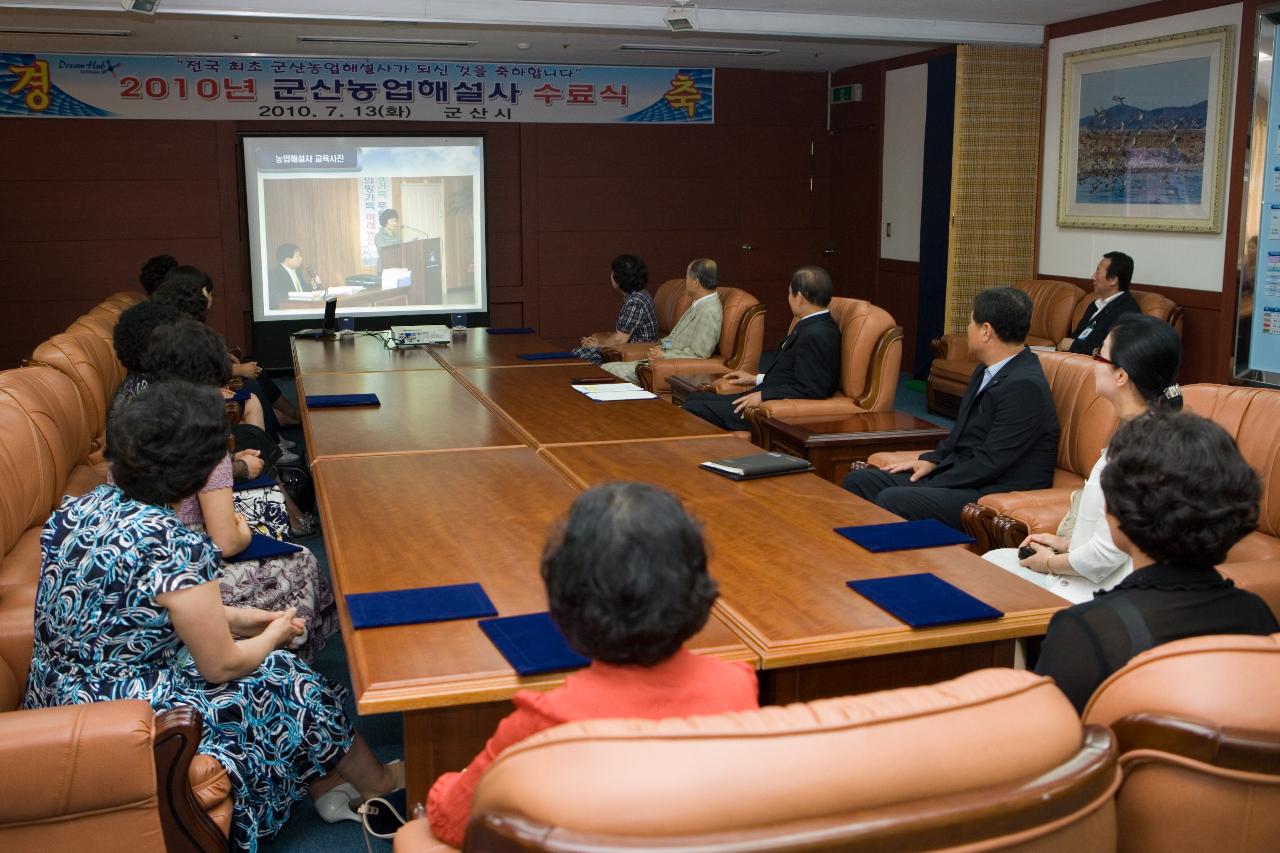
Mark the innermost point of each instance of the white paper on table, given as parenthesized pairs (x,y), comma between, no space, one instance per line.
(611,396)
(607,387)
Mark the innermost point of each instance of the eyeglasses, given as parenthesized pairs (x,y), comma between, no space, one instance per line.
(1097,356)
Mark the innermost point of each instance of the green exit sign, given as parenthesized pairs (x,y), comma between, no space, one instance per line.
(846,94)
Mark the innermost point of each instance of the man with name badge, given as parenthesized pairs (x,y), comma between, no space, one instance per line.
(1111,300)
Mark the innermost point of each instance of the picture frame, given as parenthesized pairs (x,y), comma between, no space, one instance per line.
(1144,133)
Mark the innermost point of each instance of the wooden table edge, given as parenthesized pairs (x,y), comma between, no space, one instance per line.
(884,641)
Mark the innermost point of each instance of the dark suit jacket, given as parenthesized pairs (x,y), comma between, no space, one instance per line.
(1099,323)
(279,284)
(808,362)
(1006,438)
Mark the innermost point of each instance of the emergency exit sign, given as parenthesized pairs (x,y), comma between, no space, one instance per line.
(846,94)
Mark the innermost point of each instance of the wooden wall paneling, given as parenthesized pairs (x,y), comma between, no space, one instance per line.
(613,151)
(855,210)
(897,292)
(761,98)
(235,297)
(119,206)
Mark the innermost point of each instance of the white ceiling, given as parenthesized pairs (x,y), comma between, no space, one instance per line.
(813,35)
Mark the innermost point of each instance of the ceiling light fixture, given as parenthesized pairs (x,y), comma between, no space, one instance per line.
(146,7)
(355,40)
(46,31)
(682,17)
(693,48)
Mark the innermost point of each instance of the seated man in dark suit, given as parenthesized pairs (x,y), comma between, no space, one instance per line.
(807,365)
(1006,435)
(285,276)
(1111,300)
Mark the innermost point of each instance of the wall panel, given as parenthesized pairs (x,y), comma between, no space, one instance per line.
(96,198)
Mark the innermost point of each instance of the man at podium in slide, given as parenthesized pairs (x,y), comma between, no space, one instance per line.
(285,277)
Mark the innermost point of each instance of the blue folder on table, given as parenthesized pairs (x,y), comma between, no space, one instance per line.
(509,330)
(424,604)
(532,643)
(924,600)
(331,401)
(544,356)
(264,481)
(902,535)
(261,547)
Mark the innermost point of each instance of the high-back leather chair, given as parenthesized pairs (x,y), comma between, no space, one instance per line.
(1198,724)
(986,759)
(1053,304)
(101,324)
(90,362)
(1160,307)
(52,402)
(125,298)
(1249,415)
(741,336)
(870,359)
(107,775)
(1086,422)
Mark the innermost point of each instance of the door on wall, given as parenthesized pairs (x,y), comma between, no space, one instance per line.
(855,203)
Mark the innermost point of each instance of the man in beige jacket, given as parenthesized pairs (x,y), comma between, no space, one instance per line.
(697,333)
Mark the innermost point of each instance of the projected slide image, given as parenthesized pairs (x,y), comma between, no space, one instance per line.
(387,225)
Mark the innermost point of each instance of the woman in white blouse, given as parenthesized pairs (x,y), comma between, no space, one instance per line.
(1135,369)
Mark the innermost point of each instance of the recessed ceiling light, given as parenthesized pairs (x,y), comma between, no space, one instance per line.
(354,40)
(693,48)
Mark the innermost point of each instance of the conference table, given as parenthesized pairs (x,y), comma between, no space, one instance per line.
(462,471)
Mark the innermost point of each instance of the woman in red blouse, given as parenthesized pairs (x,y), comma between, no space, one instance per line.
(627,583)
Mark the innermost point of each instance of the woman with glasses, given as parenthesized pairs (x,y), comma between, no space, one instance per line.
(1136,370)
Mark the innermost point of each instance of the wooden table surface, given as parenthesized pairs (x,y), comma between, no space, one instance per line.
(357,353)
(421,410)
(400,522)
(477,348)
(782,569)
(551,412)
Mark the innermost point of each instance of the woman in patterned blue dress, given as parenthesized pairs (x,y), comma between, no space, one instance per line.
(128,607)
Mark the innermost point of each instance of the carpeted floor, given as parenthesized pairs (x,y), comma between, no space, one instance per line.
(306,831)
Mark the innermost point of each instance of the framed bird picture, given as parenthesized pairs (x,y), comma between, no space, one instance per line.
(1144,134)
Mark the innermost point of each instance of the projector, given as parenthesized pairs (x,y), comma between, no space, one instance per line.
(146,7)
(417,336)
(681,17)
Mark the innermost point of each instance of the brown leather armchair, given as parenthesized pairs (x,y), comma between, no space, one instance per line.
(870,359)
(741,339)
(101,323)
(996,759)
(741,336)
(1198,725)
(1157,306)
(1053,304)
(90,362)
(670,302)
(113,776)
(1249,415)
(1086,421)
(98,785)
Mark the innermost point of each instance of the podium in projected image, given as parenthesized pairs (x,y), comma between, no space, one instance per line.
(422,259)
